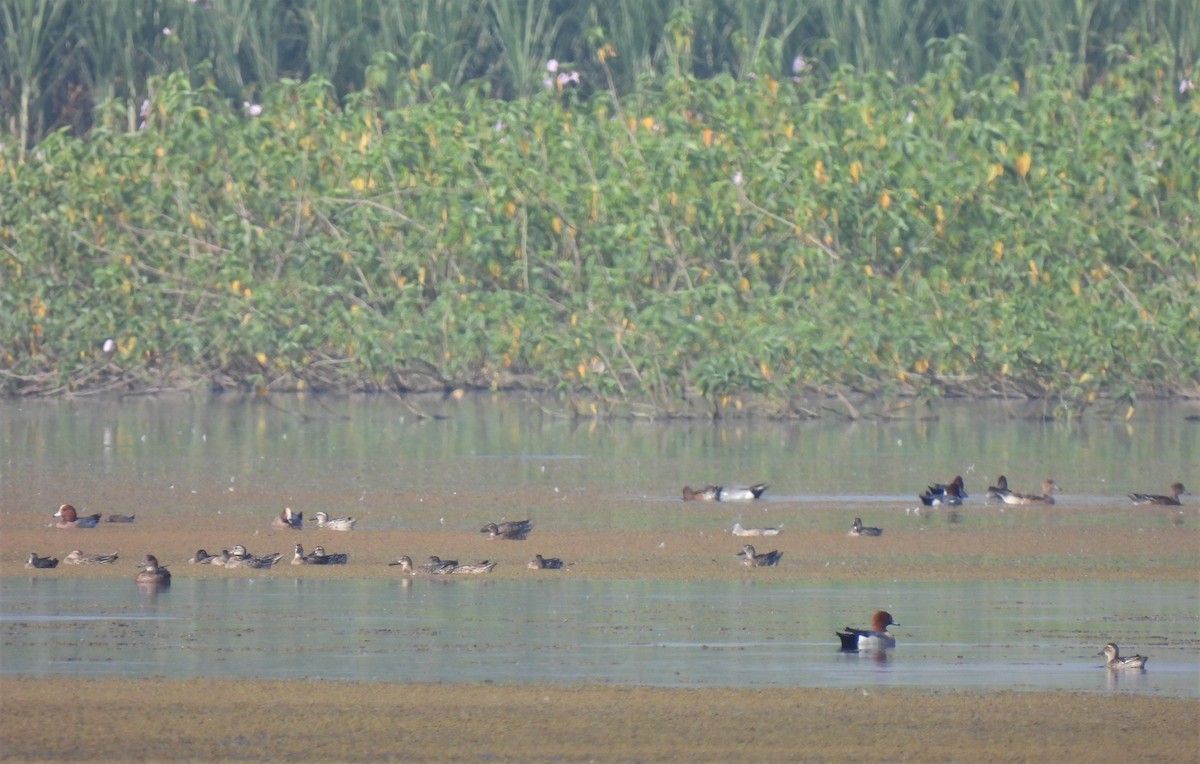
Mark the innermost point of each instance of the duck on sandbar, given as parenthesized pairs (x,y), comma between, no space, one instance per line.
(513,530)
(69,518)
(764,560)
(859,529)
(287,519)
(327,523)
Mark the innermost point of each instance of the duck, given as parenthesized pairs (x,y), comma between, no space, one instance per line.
(120,518)
(202,557)
(153,573)
(998,490)
(875,638)
(764,560)
(71,519)
(514,530)
(1045,497)
(707,493)
(238,557)
(738,530)
(325,522)
(1171,499)
(860,530)
(1115,661)
(544,563)
(949,494)
(41,562)
(337,558)
(289,519)
(749,493)
(483,566)
(434,566)
(77,557)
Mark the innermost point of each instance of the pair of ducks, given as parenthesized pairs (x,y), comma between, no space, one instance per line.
(721,493)
(952,494)
(76,557)
(436,566)
(318,556)
(237,557)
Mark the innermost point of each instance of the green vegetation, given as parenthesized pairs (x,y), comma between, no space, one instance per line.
(691,244)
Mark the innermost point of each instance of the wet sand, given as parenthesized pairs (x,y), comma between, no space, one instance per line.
(164,719)
(216,720)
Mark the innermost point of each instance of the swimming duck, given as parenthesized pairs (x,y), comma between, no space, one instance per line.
(738,530)
(764,560)
(950,494)
(1115,661)
(514,530)
(325,522)
(998,490)
(483,566)
(874,638)
(153,573)
(289,519)
(1045,497)
(238,557)
(77,557)
(120,518)
(41,562)
(434,566)
(1172,498)
(860,530)
(71,519)
(542,563)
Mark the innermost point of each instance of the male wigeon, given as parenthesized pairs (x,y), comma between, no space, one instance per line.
(874,638)
(153,573)
(1045,497)
(764,560)
(858,529)
(721,493)
(513,530)
(120,518)
(325,522)
(738,530)
(1171,499)
(434,566)
(77,557)
(41,562)
(950,494)
(544,563)
(998,490)
(288,519)
(69,518)
(1115,661)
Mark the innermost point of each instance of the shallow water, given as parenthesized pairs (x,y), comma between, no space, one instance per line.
(245,459)
(1026,636)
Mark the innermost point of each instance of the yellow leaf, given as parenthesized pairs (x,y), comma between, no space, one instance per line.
(819,173)
(855,171)
(885,200)
(1129,414)
(261,358)
(1023,163)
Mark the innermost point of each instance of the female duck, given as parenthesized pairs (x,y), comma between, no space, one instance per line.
(1171,499)
(998,490)
(77,557)
(544,563)
(1045,497)
(41,562)
(764,560)
(514,530)
(874,638)
(860,530)
(325,522)
(69,518)
(153,573)
(1115,661)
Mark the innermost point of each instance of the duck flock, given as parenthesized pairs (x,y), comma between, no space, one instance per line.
(151,573)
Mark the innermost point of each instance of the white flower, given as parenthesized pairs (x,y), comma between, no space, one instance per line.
(1184,86)
(798,65)
(909,117)
(253,109)
(167,32)
(109,345)
(738,178)
(552,65)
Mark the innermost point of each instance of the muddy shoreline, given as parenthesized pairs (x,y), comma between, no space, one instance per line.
(165,720)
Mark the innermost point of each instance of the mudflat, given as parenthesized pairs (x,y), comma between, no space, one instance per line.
(237,720)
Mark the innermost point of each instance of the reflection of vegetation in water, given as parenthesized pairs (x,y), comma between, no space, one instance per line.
(722,238)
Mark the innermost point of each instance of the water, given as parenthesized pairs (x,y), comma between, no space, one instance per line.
(244,458)
(1028,636)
